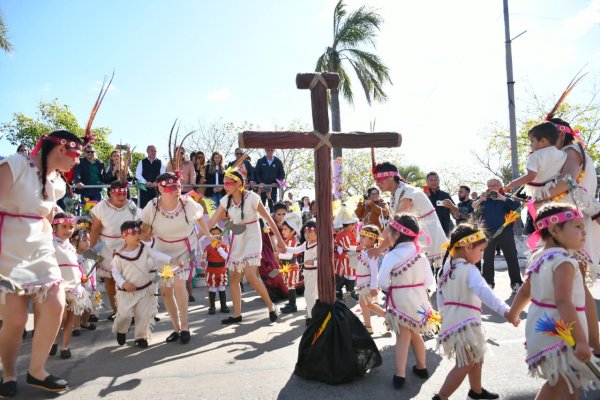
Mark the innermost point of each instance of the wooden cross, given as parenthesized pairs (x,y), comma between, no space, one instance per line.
(322,142)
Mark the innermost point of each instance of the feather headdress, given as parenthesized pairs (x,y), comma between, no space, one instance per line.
(578,77)
(125,163)
(89,136)
(175,147)
(229,171)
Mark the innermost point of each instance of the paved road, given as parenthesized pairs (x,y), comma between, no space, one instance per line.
(255,360)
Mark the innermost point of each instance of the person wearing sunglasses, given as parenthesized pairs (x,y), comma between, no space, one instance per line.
(245,168)
(107,217)
(89,171)
(29,271)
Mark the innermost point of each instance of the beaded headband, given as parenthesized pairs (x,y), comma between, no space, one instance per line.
(368,234)
(169,182)
(405,231)
(558,218)
(65,220)
(119,190)
(465,241)
(229,174)
(130,231)
(386,174)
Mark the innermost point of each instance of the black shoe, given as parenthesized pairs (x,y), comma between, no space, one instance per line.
(156,319)
(339,295)
(132,320)
(436,397)
(24,336)
(51,383)
(212,296)
(111,317)
(141,343)
(53,349)
(421,373)
(8,389)
(398,382)
(76,332)
(273,314)
(308,320)
(483,395)
(173,337)
(64,354)
(212,310)
(289,308)
(225,310)
(184,337)
(90,327)
(231,320)
(223,301)
(93,318)
(121,338)
(191,299)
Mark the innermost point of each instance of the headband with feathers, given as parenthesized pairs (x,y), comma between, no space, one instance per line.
(564,95)
(89,136)
(174,148)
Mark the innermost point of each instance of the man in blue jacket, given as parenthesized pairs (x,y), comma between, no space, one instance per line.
(494,206)
(267,171)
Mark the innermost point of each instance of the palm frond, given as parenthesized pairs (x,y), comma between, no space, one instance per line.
(345,85)
(322,63)
(372,62)
(4,42)
(338,14)
(360,26)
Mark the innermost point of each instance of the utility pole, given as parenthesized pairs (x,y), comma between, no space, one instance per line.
(514,158)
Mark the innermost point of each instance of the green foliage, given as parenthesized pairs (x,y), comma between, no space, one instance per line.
(4,42)
(350,32)
(51,116)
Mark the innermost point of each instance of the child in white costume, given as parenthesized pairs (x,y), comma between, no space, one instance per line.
(544,164)
(557,293)
(133,266)
(460,293)
(366,275)
(77,298)
(405,275)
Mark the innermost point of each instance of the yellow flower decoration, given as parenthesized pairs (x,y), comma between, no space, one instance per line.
(286,268)
(167,272)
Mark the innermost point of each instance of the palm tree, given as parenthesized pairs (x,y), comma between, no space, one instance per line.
(350,32)
(4,43)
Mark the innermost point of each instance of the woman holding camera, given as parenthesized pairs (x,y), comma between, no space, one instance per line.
(372,210)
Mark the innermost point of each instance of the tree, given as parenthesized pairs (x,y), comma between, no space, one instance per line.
(52,116)
(218,136)
(4,42)
(350,33)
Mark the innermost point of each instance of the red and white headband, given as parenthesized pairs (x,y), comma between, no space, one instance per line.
(65,220)
(543,223)
(397,226)
(130,231)
(386,174)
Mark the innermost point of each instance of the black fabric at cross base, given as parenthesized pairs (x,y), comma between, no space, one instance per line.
(343,351)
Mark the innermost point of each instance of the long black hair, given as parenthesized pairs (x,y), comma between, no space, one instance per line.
(46,148)
(241,178)
(461,231)
(410,222)
(550,209)
(388,167)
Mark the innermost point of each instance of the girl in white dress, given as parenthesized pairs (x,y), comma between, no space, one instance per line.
(170,218)
(107,217)
(407,198)
(556,291)
(29,189)
(243,209)
(405,275)
(460,292)
(366,275)
(77,298)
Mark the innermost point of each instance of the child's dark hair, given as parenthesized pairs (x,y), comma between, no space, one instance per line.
(461,231)
(311,223)
(129,225)
(280,206)
(546,130)
(46,148)
(410,222)
(568,138)
(550,209)
(241,178)
(216,227)
(389,167)
(61,215)
(374,229)
(289,227)
(164,177)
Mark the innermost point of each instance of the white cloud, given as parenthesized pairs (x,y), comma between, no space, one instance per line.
(219,96)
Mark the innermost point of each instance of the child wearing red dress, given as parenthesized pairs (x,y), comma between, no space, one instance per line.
(290,271)
(345,247)
(216,273)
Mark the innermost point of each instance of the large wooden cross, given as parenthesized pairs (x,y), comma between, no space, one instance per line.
(322,142)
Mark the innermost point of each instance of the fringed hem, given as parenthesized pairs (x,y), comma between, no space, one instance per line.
(78,300)
(38,290)
(435,259)
(182,274)
(397,319)
(540,192)
(464,341)
(559,361)
(591,269)
(133,298)
(252,260)
(364,293)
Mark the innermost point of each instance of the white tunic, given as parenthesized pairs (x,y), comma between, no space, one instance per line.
(428,220)
(27,255)
(547,163)
(245,248)
(78,299)
(366,275)
(112,218)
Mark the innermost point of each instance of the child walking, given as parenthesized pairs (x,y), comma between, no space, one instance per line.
(290,229)
(345,243)
(460,291)
(555,287)
(366,275)
(81,241)
(405,275)
(216,272)
(132,270)
(77,298)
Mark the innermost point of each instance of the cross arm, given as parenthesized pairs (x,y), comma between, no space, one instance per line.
(296,140)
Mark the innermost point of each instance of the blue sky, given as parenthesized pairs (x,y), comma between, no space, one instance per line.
(237,60)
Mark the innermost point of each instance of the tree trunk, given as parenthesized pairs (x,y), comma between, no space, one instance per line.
(336,125)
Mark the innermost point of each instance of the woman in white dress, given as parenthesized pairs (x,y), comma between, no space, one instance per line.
(29,189)
(244,209)
(170,219)
(107,218)
(409,199)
